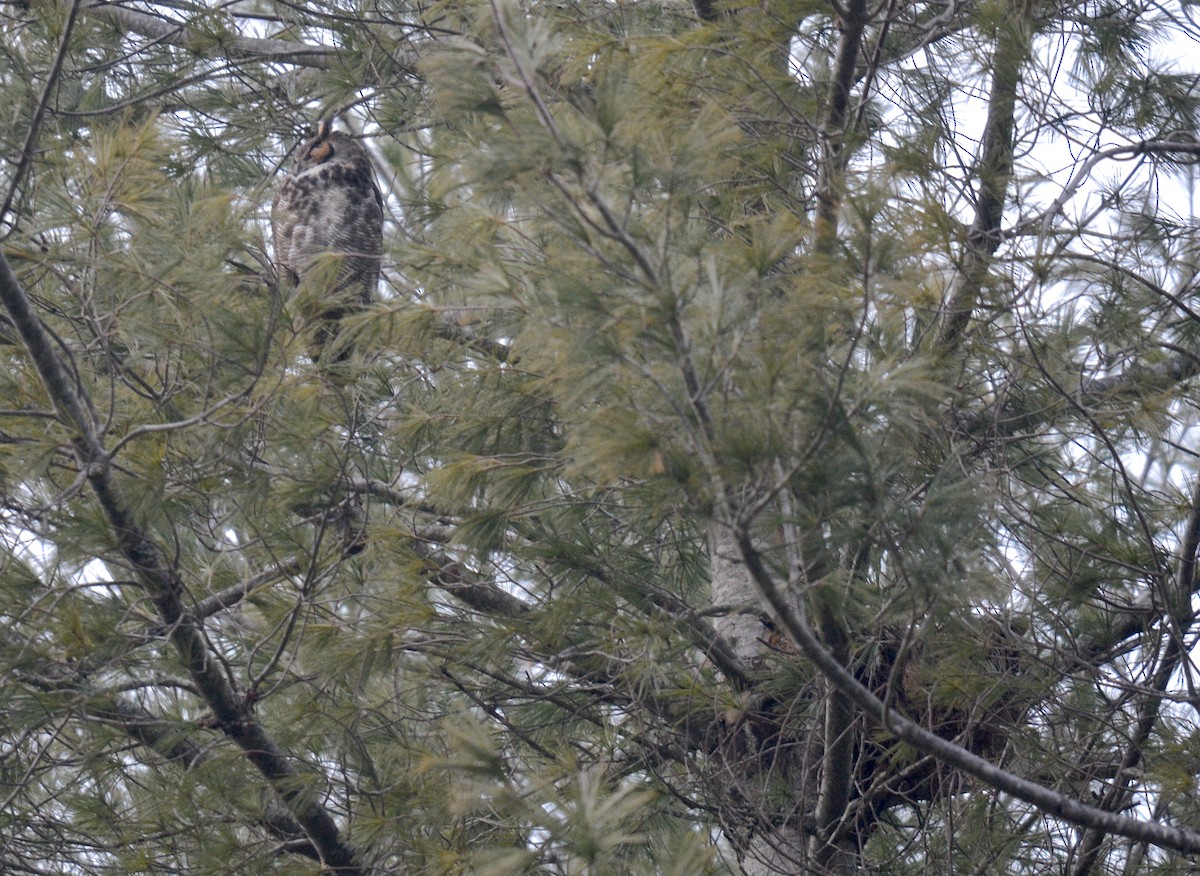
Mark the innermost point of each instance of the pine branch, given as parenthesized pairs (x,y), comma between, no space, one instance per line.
(563,656)
(995,172)
(231,596)
(1175,609)
(900,40)
(263,49)
(39,113)
(852,21)
(837,756)
(160,580)
(153,732)
(163,737)
(1172,149)
(1006,419)
(1059,805)
(1121,791)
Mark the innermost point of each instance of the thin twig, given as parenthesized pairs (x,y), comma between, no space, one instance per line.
(35,124)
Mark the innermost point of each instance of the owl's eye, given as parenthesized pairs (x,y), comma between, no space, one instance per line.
(320,152)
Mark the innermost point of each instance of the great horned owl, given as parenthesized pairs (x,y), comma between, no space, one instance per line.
(327,219)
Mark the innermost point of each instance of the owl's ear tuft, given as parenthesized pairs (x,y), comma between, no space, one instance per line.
(321,145)
(320,151)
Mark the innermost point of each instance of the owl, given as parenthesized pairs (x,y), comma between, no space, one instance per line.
(327,221)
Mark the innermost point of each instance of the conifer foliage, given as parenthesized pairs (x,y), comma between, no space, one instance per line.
(769,450)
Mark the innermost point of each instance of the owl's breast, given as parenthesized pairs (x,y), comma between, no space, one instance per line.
(332,208)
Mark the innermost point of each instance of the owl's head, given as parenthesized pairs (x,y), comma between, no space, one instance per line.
(330,147)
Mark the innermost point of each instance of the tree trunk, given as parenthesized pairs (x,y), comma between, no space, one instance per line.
(762,761)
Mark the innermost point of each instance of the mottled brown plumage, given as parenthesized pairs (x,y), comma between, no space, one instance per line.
(327,219)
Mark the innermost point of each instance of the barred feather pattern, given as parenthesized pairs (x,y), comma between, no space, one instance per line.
(331,207)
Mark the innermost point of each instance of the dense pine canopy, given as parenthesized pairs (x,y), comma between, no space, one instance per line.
(774,432)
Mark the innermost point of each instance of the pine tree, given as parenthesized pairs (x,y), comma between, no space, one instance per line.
(773,437)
